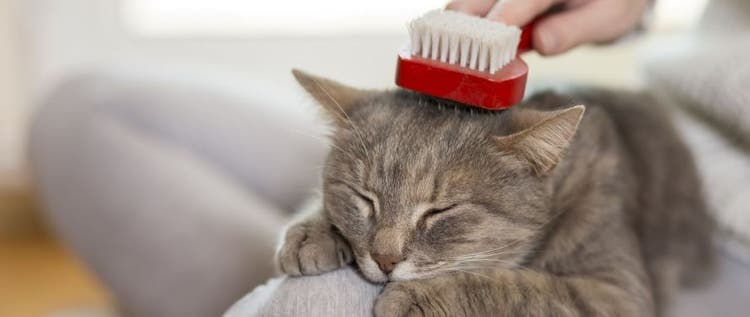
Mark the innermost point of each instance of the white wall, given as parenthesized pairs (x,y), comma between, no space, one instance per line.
(13,106)
(74,35)
(9,89)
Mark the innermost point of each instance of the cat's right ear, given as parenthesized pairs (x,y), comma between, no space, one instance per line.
(336,99)
(542,145)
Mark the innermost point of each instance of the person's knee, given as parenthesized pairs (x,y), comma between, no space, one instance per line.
(338,293)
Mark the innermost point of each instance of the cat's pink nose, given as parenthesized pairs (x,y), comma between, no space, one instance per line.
(386,263)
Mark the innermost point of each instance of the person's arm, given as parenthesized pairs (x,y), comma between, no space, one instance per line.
(579,21)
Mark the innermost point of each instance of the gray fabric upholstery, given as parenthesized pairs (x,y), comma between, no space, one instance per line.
(159,189)
(711,78)
(707,69)
(725,16)
(725,172)
(707,73)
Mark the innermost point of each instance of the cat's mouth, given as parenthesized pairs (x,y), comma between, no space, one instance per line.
(411,271)
(403,271)
(415,270)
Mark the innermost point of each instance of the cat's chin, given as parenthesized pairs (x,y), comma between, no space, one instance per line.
(370,270)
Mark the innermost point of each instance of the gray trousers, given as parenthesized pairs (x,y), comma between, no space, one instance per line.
(174,195)
(338,293)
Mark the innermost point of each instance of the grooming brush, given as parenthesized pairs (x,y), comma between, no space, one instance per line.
(464,58)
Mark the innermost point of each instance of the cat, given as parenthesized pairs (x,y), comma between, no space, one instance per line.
(549,208)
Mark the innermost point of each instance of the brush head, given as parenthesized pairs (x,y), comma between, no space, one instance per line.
(466,59)
(460,39)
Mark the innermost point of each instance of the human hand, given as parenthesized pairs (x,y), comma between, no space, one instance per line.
(579,21)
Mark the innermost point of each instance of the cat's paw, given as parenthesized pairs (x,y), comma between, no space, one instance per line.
(396,301)
(311,248)
(402,299)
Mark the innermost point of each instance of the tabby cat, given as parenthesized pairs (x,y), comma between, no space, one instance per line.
(550,208)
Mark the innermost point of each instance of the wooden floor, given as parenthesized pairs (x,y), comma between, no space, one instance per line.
(38,276)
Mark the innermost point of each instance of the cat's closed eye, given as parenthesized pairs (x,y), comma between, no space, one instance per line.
(365,204)
(436,211)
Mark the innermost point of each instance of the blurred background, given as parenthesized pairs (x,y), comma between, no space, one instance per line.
(77,51)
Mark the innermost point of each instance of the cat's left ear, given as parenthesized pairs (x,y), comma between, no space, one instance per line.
(336,99)
(542,145)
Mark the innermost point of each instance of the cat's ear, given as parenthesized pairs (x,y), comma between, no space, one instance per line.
(542,145)
(336,99)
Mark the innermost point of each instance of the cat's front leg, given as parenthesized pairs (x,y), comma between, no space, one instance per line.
(438,296)
(516,293)
(311,246)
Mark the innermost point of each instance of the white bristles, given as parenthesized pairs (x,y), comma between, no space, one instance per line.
(435,43)
(444,48)
(465,45)
(474,55)
(453,43)
(468,41)
(425,47)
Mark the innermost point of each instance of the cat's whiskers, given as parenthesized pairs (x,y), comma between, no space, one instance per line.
(475,273)
(485,260)
(492,255)
(494,251)
(462,270)
(501,250)
(498,260)
(490,251)
(487,251)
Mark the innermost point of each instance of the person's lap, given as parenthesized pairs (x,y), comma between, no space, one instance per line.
(341,293)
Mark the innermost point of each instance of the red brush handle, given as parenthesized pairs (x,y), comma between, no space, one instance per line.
(480,89)
(496,91)
(527,44)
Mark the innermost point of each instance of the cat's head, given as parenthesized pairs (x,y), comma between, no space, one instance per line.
(419,186)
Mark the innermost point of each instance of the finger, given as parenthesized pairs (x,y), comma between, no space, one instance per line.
(597,21)
(519,12)
(473,7)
